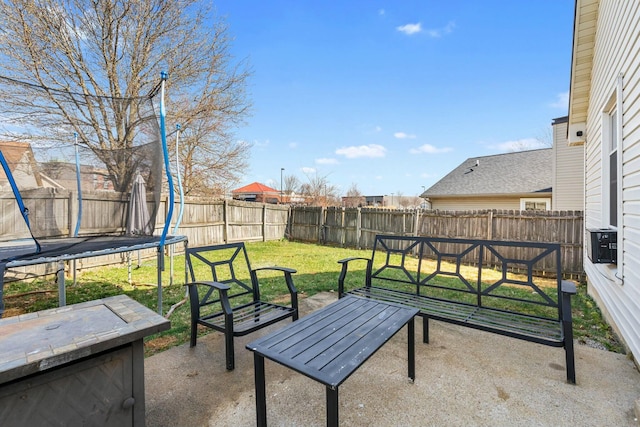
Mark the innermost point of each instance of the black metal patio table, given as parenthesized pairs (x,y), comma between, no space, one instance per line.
(330,344)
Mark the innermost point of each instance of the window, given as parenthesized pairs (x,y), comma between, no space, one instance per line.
(611,145)
(613,170)
(610,167)
(535,204)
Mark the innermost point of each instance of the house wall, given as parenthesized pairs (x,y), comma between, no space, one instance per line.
(25,173)
(568,168)
(475,203)
(616,53)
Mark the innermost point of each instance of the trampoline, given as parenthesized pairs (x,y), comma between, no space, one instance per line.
(118,158)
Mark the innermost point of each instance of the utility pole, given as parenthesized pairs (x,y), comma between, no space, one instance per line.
(281,194)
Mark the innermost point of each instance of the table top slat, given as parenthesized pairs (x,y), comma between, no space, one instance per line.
(331,343)
(324,332)
(345,337)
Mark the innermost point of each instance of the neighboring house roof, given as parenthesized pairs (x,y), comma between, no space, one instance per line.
(16,152)
(523,172)
(22,163)
(255,187)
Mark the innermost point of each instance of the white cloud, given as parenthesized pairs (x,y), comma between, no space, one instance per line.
(562,101)
(410,29)
(293,145)
(430,149)
(327,161)
(377,129)
(308,171)
(261,144)
(520,145)
(402,135)
(436,33)
(381,12)
(371,150)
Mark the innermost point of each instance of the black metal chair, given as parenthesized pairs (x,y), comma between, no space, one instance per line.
(229,299)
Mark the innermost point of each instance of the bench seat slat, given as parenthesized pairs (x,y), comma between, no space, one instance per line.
(521,325)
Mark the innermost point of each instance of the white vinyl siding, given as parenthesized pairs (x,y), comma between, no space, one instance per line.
(568,177)
(616,53)
(477,203)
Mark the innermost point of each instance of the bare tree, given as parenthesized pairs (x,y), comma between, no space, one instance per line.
(291,184)
(354,197)
(210,168)
(115,49)
(545,137)
(318,191)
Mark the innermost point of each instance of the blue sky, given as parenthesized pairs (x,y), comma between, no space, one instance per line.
(392,95)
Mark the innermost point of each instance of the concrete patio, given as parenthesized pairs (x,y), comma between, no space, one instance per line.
(464,377)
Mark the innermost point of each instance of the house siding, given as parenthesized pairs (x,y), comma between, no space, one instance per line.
(568,167)
(616,52)
(475,203)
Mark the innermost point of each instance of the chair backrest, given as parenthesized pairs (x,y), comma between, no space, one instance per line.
(228,264)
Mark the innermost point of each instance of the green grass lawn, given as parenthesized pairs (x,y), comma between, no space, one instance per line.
(317,271)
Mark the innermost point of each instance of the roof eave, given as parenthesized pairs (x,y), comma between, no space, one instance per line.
(495,195)
(584,31)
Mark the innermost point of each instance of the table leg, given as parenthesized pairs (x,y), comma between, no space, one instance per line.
(412,349)
(261,395)
(332,407)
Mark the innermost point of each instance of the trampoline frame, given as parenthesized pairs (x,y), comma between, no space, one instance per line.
(147,242)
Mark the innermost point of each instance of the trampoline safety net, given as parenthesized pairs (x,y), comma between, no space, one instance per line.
(79,166)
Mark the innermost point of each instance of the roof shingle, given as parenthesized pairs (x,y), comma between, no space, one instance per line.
(521,172)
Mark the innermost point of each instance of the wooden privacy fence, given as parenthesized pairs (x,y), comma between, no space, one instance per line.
(206,222)
(222,221)
(356,227)
(53,213)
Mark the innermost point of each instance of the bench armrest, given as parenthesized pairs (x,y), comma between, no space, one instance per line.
(568,287)
(343,273)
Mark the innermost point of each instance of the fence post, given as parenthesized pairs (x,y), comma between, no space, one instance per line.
(264,222)
(343,235)
(359,228)
(225,220)
(416,222)
(321,224)
(288,228)
(490,224)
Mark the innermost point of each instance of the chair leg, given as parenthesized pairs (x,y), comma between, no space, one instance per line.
(228,341)
(425,329)
(228,338)
(194,333)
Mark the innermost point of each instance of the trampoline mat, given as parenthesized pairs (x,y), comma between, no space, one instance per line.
(84,247)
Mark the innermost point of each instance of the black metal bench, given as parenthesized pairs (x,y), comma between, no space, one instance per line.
(228,300)
(494,286)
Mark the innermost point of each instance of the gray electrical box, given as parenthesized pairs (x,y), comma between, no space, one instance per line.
(602,246)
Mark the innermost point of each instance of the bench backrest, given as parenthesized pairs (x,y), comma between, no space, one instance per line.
(227,264)
(503,275)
